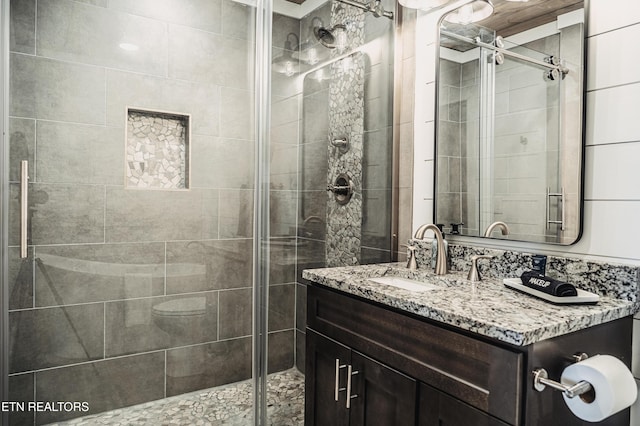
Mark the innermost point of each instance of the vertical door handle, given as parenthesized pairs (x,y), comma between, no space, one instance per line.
(563,200)
(350,373)
(337,387)
(24,207)
(561,204)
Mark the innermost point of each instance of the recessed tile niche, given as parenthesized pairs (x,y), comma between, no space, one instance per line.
(157,151)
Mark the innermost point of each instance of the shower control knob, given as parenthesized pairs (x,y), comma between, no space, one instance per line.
(339,189)
(342,189)
(341,143)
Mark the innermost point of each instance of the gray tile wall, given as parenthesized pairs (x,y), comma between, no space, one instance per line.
(82,319)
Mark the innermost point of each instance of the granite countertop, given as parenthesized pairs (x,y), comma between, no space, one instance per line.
(487,308)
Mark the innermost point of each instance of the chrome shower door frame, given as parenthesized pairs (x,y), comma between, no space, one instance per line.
(261,230)
(4,191)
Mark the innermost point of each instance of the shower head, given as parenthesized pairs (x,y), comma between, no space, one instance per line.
(331,38)
(324,36)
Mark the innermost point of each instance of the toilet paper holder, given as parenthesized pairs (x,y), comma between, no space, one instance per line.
(541,380)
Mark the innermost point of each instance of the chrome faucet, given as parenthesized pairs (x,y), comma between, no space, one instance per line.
(441,259)
(503,227)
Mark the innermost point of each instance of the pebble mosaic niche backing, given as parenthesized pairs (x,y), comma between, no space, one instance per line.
(157,150)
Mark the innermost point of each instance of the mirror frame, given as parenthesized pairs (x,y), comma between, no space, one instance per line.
(583,125)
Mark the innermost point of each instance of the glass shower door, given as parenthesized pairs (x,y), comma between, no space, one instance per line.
(137,281)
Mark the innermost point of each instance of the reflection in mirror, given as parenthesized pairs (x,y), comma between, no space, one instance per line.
(509,124)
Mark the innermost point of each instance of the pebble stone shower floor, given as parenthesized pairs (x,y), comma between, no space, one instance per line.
(224,405)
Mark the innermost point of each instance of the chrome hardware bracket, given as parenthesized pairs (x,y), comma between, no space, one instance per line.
(579,356)
(506,52)
(541,380)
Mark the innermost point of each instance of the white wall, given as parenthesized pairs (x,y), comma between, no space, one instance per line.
(612,165)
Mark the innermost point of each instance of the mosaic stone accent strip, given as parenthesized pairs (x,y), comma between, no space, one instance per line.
(346,118)
(487,308)
(224,405)
(157,150)
(606,279)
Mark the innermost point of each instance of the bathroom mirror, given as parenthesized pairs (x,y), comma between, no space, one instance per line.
(509,122)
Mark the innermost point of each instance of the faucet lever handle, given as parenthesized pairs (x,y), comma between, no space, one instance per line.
(474,274)
(412,264)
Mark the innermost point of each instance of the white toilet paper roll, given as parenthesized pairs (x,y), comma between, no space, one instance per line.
(614,386)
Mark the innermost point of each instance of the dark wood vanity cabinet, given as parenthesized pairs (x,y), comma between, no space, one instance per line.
(410,371)
(376,394)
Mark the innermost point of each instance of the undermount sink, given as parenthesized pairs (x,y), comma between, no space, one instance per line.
(404,283)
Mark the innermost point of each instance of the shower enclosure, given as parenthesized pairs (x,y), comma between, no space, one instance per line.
(134,243)
(169,169)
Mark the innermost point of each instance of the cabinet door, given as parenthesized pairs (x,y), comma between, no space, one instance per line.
(439,409)
(323,358)
(380,395)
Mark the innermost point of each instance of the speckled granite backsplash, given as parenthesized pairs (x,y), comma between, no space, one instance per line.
(607,279)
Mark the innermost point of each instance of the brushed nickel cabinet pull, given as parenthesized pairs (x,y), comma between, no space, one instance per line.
(337,387)
(350,373)
(24,207)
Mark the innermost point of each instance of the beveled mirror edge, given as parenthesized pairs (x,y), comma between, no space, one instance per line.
(475,239)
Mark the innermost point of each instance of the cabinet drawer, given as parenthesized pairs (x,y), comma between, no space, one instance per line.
(481,374)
